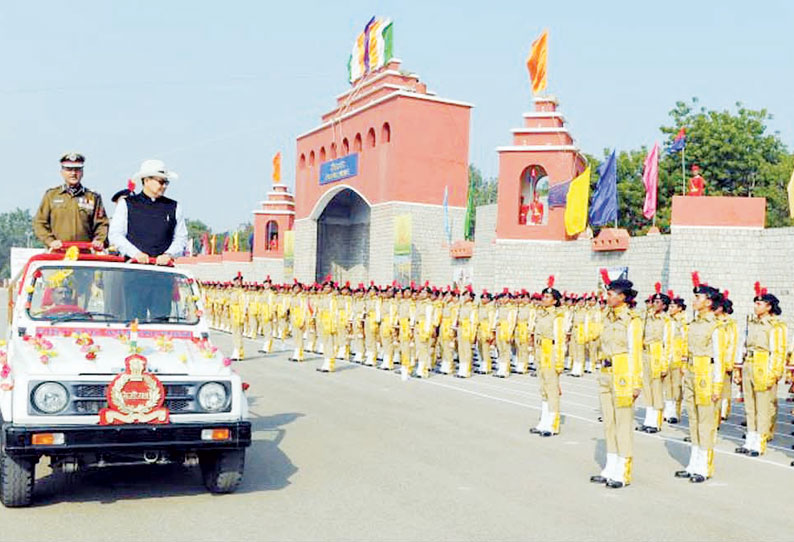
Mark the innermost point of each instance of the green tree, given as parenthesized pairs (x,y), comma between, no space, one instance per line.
(16,230)
(484,192)
(736,153)
(737,156)
(195,231)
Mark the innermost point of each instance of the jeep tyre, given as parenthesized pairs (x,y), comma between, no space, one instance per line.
(16,480)
(222,471)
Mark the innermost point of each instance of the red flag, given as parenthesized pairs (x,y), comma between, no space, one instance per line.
(650,178)
(226,243)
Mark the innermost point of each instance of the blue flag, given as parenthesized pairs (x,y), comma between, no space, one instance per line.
(604,206)
(558,194)
(679,142)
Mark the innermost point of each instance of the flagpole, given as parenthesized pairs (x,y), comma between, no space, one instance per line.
(683,171)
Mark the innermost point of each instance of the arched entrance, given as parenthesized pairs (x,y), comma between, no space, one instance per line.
(343,238)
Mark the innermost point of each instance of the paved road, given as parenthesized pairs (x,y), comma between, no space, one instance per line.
(361,454)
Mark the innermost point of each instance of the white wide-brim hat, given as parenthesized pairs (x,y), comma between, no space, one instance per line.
(154,168)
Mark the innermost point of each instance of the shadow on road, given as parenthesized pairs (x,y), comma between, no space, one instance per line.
(267,468)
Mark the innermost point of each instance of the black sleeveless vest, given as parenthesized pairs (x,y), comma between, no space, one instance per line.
(151,224)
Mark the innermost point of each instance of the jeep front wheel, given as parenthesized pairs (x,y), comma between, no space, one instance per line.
(16,480)
(222,471)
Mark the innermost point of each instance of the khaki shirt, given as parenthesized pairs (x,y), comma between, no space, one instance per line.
(64,217)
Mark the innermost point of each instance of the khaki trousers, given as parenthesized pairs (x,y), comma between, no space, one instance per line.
(464,357)
(550,388)
(651,387)
(618,421)
(701,418)
(757,404)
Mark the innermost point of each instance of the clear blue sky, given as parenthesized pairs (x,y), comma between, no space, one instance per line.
(216,88)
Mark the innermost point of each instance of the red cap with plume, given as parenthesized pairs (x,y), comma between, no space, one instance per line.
(469,288)
(605,276)
(550,282)
(130,185)
(757,287)
(658,287)
(670,294)
(725,294)
(695,279)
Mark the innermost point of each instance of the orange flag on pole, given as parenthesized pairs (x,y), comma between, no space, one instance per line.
(277,168)
(536,62)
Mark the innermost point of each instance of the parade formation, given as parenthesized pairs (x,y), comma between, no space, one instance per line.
(673,361)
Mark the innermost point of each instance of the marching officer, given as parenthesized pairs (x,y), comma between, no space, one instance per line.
(765,349)
(466,333)
(657,337)
(723,313)
(71,212)
(327,326)
(506,314)
(703,380)
(619,381)
(672,382)
(486,316)
(550,353)
(297,317)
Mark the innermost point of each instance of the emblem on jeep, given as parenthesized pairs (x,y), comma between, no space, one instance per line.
(134,396)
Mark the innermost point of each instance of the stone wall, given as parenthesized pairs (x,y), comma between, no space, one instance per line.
(255,271)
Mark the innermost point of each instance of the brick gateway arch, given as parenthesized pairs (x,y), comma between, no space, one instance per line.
(343,238)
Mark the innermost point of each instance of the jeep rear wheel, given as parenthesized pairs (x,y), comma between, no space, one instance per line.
(222,471)
(16,480)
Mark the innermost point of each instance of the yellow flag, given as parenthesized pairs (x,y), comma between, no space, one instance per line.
(790,190)
(577,203)
(236,242)
(536,62)
(277,168)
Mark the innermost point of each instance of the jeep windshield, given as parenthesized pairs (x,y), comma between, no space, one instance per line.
(110,294)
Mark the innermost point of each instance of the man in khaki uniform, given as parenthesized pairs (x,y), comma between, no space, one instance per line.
(71,212)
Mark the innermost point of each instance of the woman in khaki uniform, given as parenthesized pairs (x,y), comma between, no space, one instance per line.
(703,380)
(766,348)
(550,349)
(619,381)
(466,332)
(672,382)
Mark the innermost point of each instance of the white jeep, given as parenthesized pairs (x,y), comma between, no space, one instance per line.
(109,363)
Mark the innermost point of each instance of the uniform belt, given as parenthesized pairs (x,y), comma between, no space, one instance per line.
(691,361)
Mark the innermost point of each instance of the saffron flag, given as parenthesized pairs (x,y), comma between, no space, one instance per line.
(604,206)
(790,190)
(372,48)
(277,168)
(650,178)
(576,207)
(679,142)
(536,62)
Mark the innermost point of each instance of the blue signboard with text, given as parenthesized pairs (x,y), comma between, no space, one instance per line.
(341,168)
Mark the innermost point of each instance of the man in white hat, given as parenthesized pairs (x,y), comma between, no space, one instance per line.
(148,224)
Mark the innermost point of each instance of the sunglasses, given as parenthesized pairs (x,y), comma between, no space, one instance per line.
(163,182)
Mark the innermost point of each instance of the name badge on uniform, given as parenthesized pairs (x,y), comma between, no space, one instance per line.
(57,201)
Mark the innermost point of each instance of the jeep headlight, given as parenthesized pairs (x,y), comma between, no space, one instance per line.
(50,397)
(212,396)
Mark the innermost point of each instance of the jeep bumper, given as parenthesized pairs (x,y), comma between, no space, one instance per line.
(18,440)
